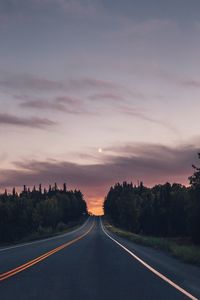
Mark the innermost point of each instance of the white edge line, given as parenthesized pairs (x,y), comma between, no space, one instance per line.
(44,240)
(151,268)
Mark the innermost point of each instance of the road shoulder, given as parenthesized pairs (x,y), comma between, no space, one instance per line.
(186,275)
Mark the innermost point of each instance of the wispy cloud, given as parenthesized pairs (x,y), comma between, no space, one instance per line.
(159,72)
(193,83)
(65,104)
(92,83)
(72,105)
(11,120)
(33,92)
(28,82)
(143,115)
(107,97)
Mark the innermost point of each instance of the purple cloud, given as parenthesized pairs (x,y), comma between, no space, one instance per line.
(107,97)
(11,120)
(141,114)
(64,104)
(90,83)
(29,82)
(190,83)
(165,74)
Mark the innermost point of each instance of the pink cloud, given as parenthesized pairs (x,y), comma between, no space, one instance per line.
(29,82)
(65,104)
(107,96)
(33,122)
(193,83)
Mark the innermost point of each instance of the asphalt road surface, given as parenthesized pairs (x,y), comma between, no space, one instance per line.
(83,264)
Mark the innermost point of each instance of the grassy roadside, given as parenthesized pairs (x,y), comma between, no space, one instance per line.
(179,248)
(45,233)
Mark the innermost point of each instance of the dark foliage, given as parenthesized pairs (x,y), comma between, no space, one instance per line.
(195,204)
(38,210)
(164,210)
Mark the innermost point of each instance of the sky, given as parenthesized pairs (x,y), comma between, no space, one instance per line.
(94,92)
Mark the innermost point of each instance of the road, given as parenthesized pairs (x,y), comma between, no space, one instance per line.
(83,264)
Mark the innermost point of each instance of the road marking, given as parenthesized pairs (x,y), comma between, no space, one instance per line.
(163,277)
(44,240)
(33,262)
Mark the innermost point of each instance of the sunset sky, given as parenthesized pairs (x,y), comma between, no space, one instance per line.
(93,92)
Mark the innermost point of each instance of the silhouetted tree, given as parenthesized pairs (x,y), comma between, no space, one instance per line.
(55,187)
(40,188)
(195,205)
(163,210)
(14,192)
(36,211)
(64,188)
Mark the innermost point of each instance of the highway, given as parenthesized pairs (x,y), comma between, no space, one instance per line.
(88,263)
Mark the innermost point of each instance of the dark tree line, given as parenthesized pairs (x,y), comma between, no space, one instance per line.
(168,210)
(38,211)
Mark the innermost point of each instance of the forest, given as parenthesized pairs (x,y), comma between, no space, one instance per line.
(167,210)
(39,211)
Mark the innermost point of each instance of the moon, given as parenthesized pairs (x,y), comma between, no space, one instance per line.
(100,150)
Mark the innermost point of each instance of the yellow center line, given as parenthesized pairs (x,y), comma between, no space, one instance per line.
(33,262)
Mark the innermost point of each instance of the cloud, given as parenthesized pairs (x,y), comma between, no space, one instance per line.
(107,97)
(159,72)
(22,87)
(41,104)
(141,114)
(86,83)
(193,83)
(29,82)
(152,164)
(115,91)
(66,104)
(11,120)
(122,95)
(72,105)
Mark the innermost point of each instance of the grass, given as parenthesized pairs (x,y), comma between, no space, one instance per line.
(180,248)
(45,233)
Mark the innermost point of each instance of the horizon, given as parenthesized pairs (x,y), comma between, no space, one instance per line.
(95,211)
(98,92)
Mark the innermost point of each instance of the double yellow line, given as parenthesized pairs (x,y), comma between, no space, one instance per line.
(35,261)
